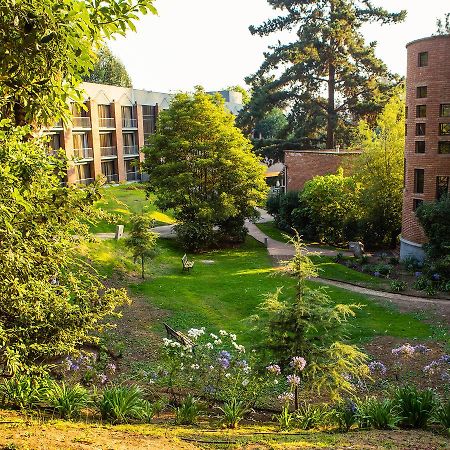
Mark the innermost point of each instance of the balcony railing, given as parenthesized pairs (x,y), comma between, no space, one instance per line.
(108,152)
(81,122)
(106,122)
(114,178)
(129,123)
(85,181)
(83,153)
(130,150)
(133,176)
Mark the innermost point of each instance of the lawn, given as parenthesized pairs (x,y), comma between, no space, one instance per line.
(123,201)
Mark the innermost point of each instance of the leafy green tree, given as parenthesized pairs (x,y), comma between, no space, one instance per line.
(331,205)
(142,240)
(435,220)
(201,166)
(52,299)
(444,25)
(329,55)
(272,125)
(47,46)
(310,325)
(108,69)
(380,171)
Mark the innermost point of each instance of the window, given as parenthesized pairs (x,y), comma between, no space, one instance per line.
(406,112)
(419,178)
(444,129)
(149,119)
(442,184)
(104,111)
(420,129)
(406,129)
(422,92)
(423,59)
(445,110)
(80,141)
(420,146)
(416,203)
(106,140)
(444,147)
(129,139)
(55,142)
(421,111)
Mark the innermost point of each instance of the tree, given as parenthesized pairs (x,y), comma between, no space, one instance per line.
(443,25)
(380,171)
(47,46)
(311,326)
(201,166)
(329,55)
(108,69)
(142,240)
(243,91)
(52,299)
(272,125)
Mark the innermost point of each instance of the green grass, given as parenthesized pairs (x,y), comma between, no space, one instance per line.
(123,201)
(273,232)
(223,294)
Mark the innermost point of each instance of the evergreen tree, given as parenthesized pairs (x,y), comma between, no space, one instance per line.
(444,25)
(108,69)
(329,55)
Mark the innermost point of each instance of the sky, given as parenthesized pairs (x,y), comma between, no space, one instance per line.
(207,42)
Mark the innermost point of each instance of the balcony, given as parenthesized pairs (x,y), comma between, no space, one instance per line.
(130,150)
(83,153)
(106,122)
(114,178)
(81,122)
(108,152)
(133,176)
(129,123)
(85,181)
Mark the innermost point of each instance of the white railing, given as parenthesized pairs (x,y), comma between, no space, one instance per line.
(106,122)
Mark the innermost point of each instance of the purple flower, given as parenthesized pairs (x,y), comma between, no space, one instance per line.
(351,407)
(209,389)
(242,364)
(286,397)
(294,380)
(445,376)
(224,362)
(298,363)
(376,274)
(74,367)
(420,348)
(224,354)
(377,367)
(274,369)
(102,378)
(431,368)
(417,274)
(404,350)
(436,277)
(444,359)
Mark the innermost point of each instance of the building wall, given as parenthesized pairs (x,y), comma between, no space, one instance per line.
(118,161)
(435,75)
(303,165)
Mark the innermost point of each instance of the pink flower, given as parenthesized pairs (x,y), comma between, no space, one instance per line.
(298,363)
(294,380)
(274,369)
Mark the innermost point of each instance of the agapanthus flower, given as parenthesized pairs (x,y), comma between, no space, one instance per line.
(431,368)
(102,378)
(436,277)
(444,359)
(417,274)
(224,362)
(377,367)
(294,380)
(404,350)
(298,363)
(420,348)
(111,367)
(224,354)
(274,369)
(286,397)
(377,274)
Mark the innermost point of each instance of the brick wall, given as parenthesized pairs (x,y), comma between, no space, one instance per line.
(436,77)
(303,165)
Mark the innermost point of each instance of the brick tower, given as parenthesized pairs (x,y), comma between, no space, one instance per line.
(427,148)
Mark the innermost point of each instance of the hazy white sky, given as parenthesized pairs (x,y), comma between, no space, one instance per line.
(207,42)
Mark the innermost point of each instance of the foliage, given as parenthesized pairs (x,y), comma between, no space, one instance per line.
(52,299)
(108,69)
(281,206)
(414,406)
(120,404)
(329,208)
(23,392)
(379,169)
(142,240)
(309,416)
(271,125)
(311,325)
(201,166)
(187,413)
(398,286)
(380,414)
(443,25)
(47,47)
(233,411)
(442,414)
(329,55)
(67,400)
(435,220)
(345,415)
(285,419)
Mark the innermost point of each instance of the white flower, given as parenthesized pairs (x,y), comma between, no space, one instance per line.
(211,367)
(218,341)
(233,337)
(214,336)
(196,332)
(190,379)
(195,366)
(151,381)
(275,381)
(166,342)
(228,375)
(239,348)
(247,369)
(209,346)
(175,344)
(223,333)
(245,382)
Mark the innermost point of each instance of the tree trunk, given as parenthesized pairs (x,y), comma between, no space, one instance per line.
(331,112)
(142,266)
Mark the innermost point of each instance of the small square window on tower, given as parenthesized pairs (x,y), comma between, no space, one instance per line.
(423,59)
(420,146)
(422,92)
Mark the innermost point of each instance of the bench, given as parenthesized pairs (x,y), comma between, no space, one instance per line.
(187,265)
(178,336)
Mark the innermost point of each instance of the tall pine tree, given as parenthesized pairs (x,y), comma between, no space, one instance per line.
(328,67)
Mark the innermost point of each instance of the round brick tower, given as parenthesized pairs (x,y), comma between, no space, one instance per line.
(427,148)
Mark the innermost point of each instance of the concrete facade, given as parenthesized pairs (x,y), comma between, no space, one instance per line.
(303,165)
(106,139)
(427,144)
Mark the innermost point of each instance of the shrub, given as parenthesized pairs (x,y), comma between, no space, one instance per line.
(345,415)
(393,261)
(310,416)
(288,202)
(422,283)
(187,413)
(398,286)
(379,414)
(122,404)
(442,414)
(233,412)
(285,419)
(67,400)
(411,264)
(24,392)
(414,406)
